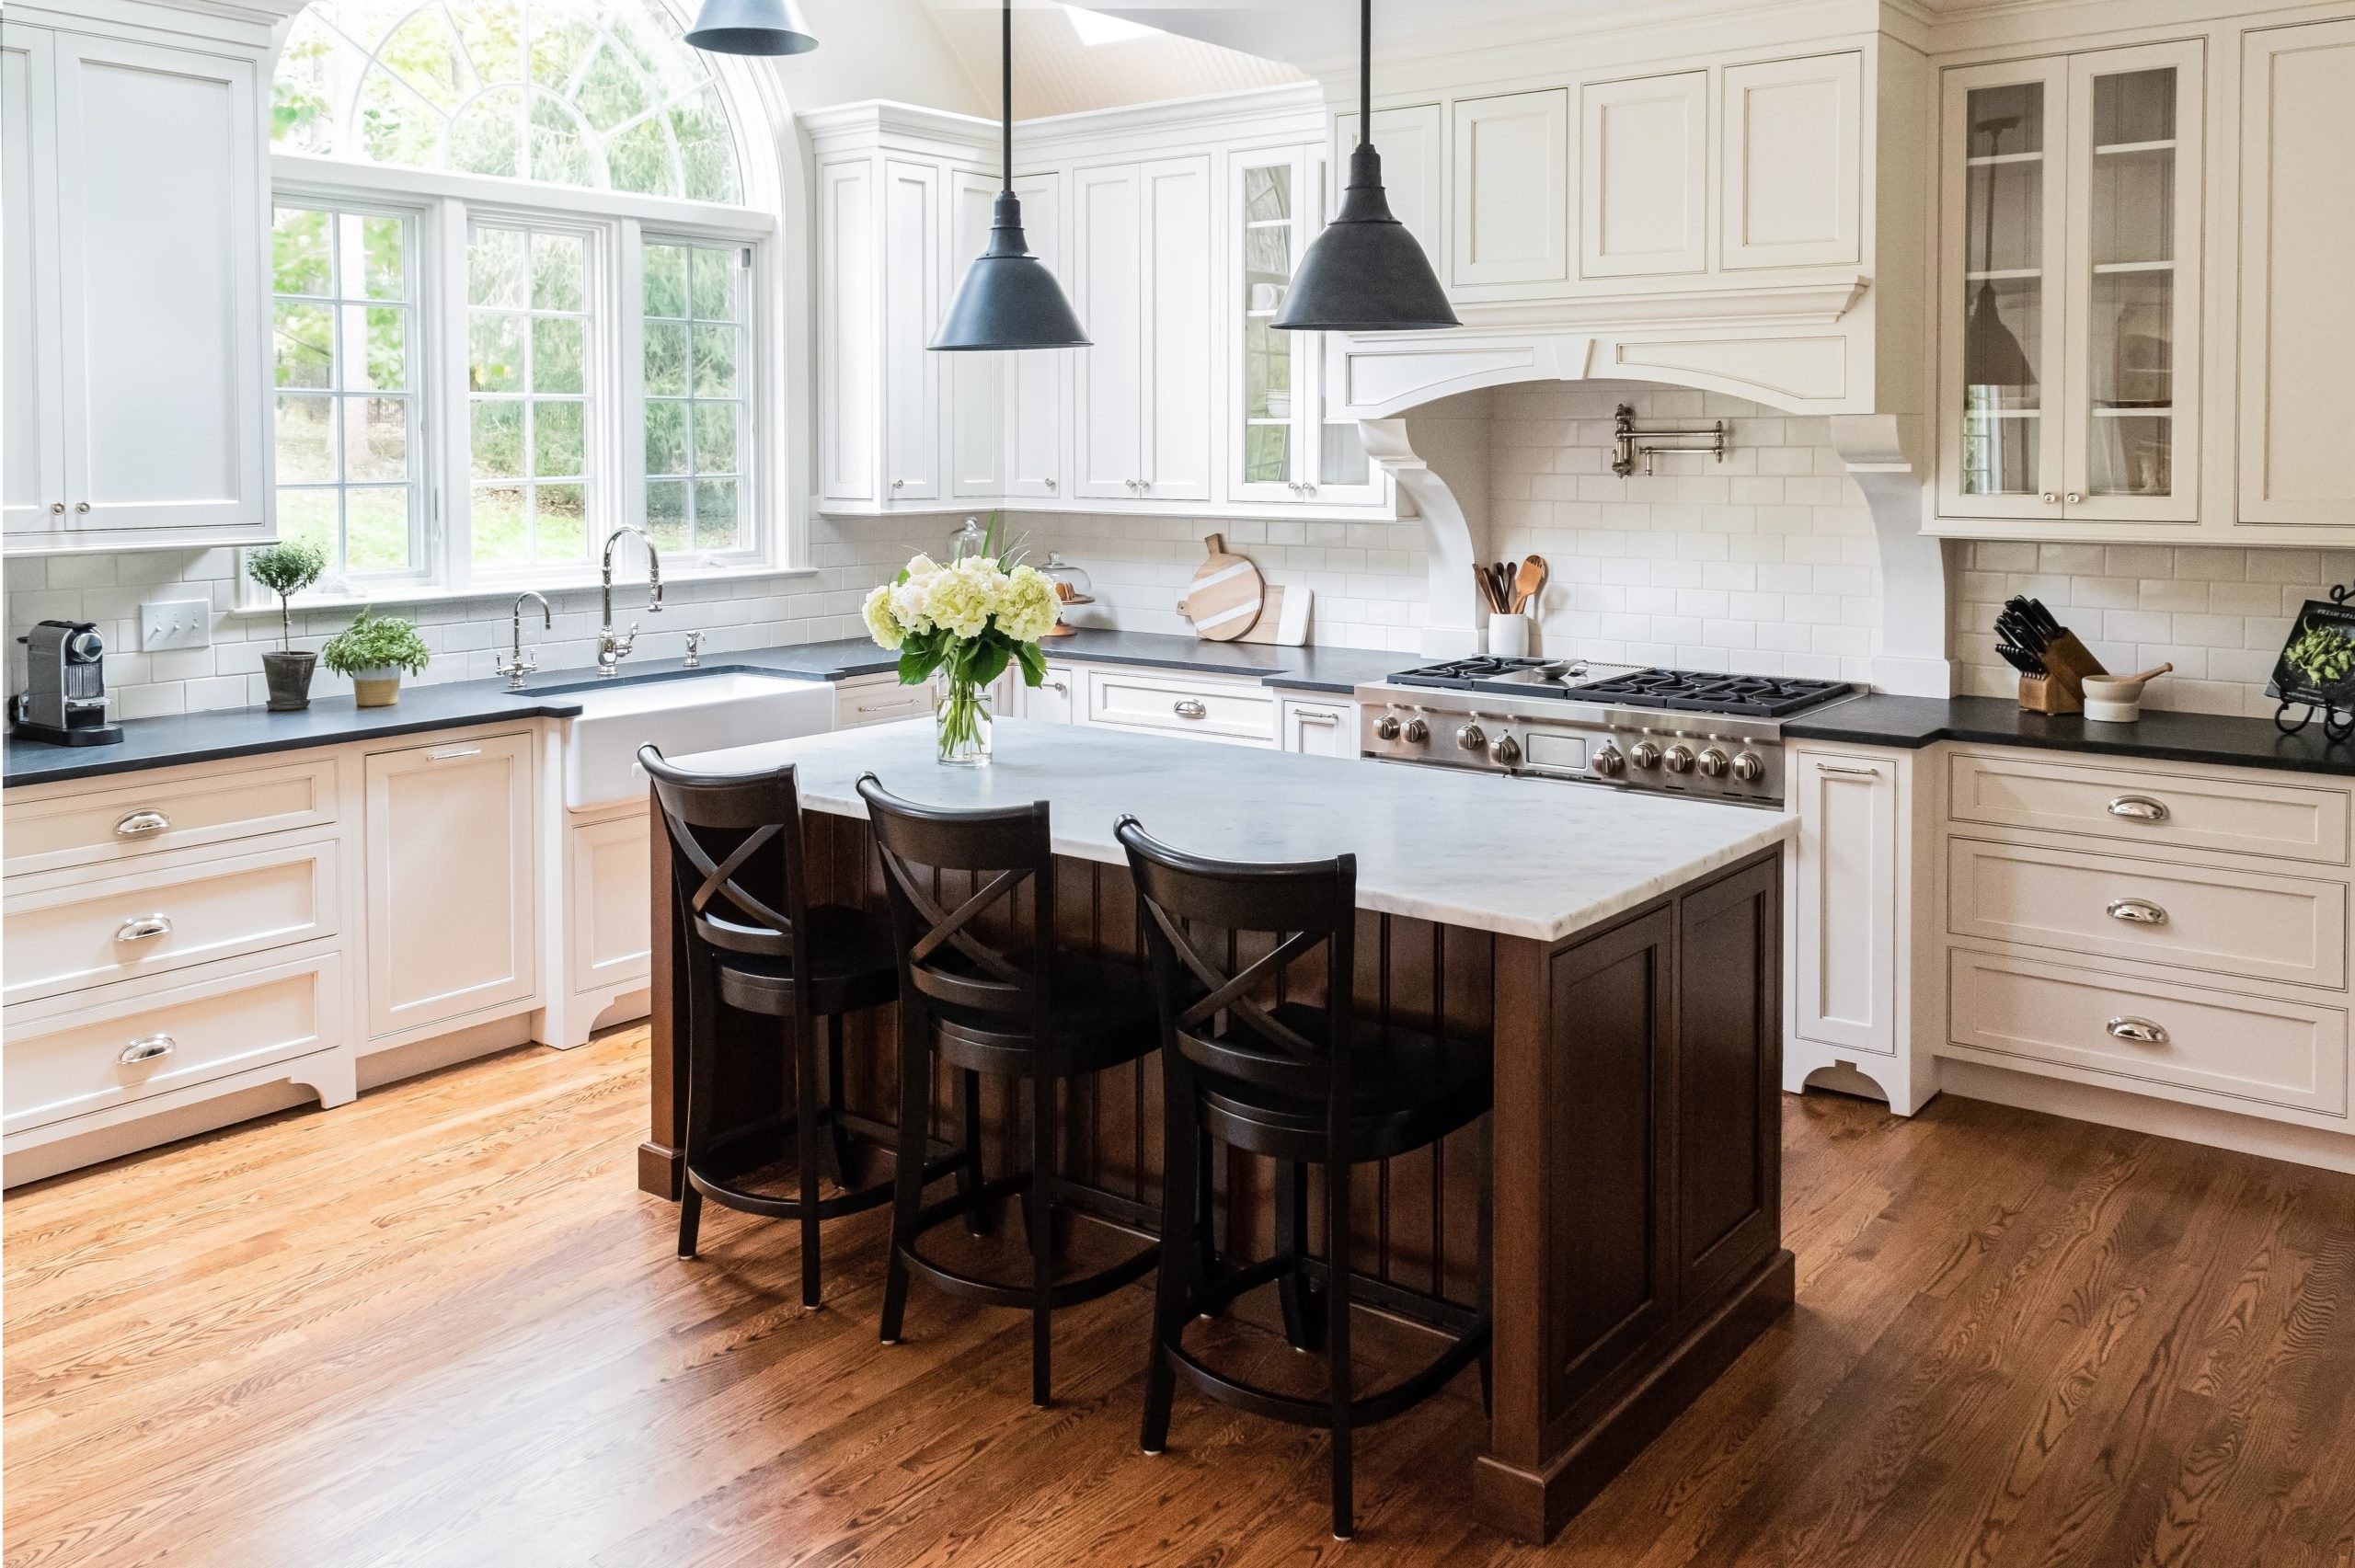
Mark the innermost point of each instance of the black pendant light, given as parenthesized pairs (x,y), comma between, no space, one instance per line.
(1365,273)
(1008,299)
(751,26)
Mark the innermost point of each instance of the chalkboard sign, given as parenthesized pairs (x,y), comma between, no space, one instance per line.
(2317,662)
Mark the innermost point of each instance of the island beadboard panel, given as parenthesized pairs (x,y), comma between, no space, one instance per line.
(1636,1245)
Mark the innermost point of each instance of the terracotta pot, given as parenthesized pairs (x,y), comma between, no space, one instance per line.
(376,688)
(289,675)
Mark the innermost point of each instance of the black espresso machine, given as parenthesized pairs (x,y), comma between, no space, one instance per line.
(65,699)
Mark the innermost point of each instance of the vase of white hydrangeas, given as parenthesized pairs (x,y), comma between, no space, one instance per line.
(966,622)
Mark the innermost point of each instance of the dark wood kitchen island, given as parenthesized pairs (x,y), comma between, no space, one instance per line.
(1619,954)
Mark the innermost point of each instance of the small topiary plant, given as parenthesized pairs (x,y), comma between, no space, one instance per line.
(286,570)
(375,642)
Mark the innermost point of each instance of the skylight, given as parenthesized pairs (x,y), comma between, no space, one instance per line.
(1096,27)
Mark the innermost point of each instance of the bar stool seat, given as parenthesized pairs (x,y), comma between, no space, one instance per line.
(1104,1015)
(1406,1089)
(851,966)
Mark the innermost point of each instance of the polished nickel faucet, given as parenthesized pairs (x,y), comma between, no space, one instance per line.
(612,647)
(517,666)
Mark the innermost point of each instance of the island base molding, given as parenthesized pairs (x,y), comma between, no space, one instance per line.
(1636,1176)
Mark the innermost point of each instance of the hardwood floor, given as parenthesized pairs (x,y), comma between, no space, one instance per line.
(441,1326)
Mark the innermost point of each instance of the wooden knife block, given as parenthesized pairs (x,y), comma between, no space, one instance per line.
(2062,688)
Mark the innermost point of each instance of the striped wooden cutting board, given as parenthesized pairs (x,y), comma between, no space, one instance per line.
(1225,598)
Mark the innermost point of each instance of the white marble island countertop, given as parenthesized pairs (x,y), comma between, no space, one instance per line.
(1519,857)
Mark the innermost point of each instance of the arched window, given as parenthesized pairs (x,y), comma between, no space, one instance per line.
(519,298)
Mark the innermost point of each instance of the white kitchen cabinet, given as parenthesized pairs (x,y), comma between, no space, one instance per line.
(608,893)
(1141,239)
(1315,727)
(1414,170)
(2296,332)
(451,866)
(1644,175)
(879,699)
(1051,699)
(1039,380)
(976,439)
(1790,172)
(1281,446)
(135,391)
(1237,710)
(1511,222)
(910,262)
(2069,372)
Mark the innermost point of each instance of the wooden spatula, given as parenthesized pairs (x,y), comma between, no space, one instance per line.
(1528,582)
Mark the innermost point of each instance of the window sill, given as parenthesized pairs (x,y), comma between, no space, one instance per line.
(633,583)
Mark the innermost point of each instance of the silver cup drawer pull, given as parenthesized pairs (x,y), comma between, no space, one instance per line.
(147,1048)
(2137,911)
(142,928)
(2139,809)
(453,753)
(139,824)
(1186,707)
(2142,1031)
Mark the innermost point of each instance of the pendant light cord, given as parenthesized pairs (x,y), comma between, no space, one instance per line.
(1366,73)
(1005,93)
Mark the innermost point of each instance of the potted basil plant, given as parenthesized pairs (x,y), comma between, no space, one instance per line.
(286,570)
(373,651)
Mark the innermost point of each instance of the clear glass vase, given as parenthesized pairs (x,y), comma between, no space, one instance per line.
(962,724)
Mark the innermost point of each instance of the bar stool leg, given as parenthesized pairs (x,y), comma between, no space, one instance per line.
(969,1174)
(907,1176)
(1337,1341)
(840,1159)
(1042,1236)
(1181,1215)
(805,1142)
(702,1011)
(1292,1244)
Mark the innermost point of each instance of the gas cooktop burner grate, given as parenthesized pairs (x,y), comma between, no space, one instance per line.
(1691,691)
(1465,674)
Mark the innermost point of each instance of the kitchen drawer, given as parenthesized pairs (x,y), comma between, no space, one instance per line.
(2147,806)
(1239,714)
(71,930)
(859,702)
(2247,1048)
(2236,922)
(67,1057)
(91,824)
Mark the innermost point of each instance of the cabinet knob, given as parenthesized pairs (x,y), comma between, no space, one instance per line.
(57,507)
(142,928)
(147,1048)
(1051,484)
(2142,1031)
(81,506)
(2051,498)
(2074,498)
(899,484)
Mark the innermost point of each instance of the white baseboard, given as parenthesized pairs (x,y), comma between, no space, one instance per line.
(2141,1113)
(443,1050)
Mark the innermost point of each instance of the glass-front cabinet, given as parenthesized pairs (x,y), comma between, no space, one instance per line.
(1282,447)
(2069,342)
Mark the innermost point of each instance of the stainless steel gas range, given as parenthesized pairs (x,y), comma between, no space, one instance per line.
(1664,731)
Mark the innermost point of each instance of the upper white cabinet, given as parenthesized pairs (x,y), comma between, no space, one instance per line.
(1791,169)
(1281,448)
(134,388)
(911,258)
(1414,171)
(1037,415)
(1643,175)
(978,383)
(1139,233)
(1512,179)
(2297,235)
(2069,359)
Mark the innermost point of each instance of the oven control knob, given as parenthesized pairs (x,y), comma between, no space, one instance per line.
(1713,763)
(1749,767)
(1608,762)
(1646,754)
(1504,750)
(1472,737)
(1417,732)
(1386,728)
(1678,759)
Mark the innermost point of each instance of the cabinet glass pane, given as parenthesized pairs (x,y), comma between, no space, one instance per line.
(2136,106)
(1999,453)
(1343,460)
(2004,290)
(1267,197)
(2129,345)
(2008,118)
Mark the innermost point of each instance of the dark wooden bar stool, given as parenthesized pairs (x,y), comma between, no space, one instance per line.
(1027,1009)
(1302,1085)
(755,944)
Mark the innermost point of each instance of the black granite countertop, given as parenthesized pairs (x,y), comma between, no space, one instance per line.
(1907,723)
(333,721)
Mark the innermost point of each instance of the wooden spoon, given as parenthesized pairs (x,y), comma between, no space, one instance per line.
(1528,582)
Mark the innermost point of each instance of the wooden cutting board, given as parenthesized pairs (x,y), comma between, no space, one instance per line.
(1226,598)
(1283,618)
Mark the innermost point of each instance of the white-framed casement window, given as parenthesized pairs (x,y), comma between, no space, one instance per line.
(519,300)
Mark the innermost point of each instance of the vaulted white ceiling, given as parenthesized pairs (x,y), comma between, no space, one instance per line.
(1064,66)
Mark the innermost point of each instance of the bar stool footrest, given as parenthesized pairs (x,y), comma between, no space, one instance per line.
(1302,1411)
(1065,1293)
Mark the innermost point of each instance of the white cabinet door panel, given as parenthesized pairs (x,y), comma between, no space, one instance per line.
(1107,278)
(1039,380)
(1317,728)
(1847,878)
(1793,149)
(977,382)
(33,387)
(610,935)
(911,265)
(453,924)
(1179,349)
(1413,171)
(2297,333)
(1643,176)
(1510,222)
(159,155)
(847,434)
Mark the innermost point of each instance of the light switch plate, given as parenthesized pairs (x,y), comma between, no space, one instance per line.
(175,623)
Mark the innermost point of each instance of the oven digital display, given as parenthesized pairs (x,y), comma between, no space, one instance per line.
(1547,750)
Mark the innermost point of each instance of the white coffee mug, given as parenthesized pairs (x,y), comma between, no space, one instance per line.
(1508,635)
